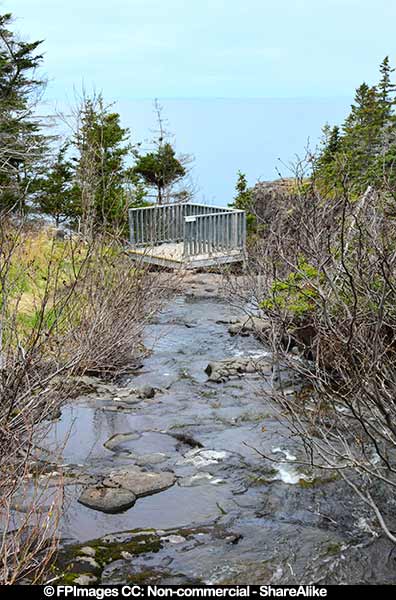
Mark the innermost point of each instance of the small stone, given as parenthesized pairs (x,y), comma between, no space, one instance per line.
(234,329)
(146,391)
(173,539)
(87,563)
(85,580)
(88,551)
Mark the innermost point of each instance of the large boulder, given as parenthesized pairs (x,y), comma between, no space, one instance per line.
(140,483)
(107,499)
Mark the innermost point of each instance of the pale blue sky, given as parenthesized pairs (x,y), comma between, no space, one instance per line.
(318,50)
(201,48)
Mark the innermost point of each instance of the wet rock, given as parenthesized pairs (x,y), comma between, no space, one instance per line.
(88,551)
(154,458)
(140,483)
(72,478)
(85,579)
(173,539)
(231,321)
(222,370)
(127,397)
(115,442)
(86,564)
(86,384)
(203,458)
(146,392)
(250,326)
(107,499)
(197,479)
(187,439)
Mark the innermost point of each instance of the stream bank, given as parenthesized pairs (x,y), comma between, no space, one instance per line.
(223,514)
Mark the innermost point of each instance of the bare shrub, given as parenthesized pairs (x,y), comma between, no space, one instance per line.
(324,273)
(66,307)
(115,301)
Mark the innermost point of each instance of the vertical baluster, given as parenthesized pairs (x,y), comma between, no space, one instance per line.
(172,224)
(205,235)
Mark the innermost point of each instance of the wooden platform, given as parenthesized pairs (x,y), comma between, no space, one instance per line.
(172,255)
(187,235)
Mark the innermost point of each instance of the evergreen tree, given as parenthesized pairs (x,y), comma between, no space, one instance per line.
(22,147)
(243,200)
(326,164)
(386,90)
(100,171)
(363,151)
(58,196)
(160,169)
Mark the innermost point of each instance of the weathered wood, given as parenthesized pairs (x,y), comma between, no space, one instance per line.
(206,234)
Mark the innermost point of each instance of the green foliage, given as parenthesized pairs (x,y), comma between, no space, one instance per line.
(159,169)
(100,172)
(23,146)
(57,196)
(296,293)
(363,151)
(243,200)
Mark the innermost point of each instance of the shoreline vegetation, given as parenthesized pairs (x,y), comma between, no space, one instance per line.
(322,250)
(320,276)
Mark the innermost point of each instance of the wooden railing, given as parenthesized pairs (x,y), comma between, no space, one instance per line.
(202,229)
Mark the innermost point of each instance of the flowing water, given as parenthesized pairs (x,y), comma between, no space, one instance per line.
(232,516)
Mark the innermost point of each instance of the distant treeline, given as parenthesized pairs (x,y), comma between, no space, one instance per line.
(362,151)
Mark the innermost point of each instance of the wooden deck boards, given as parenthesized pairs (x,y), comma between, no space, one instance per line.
(171,255)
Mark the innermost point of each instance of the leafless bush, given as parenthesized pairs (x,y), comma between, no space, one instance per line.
(119,298)
(66,307)
(324,273)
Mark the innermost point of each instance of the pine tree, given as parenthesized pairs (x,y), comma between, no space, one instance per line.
(386,91)
(243,200)
(58,196)
(23,147)
(363,151)
(160,169)
(101,174)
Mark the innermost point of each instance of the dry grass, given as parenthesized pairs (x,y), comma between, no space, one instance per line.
(66,307)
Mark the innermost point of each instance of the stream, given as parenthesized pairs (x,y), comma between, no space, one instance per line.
(230,516)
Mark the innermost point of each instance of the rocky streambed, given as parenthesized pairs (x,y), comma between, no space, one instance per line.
(162,483)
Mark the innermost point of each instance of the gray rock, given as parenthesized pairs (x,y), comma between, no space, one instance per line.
(86,384)
(224,369)
(146,392)
(106,499)
(116,441)
(85,579)
(86,564)
(88,551)
(154,458)
(252,325)
(140,483)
